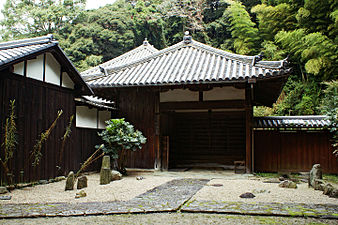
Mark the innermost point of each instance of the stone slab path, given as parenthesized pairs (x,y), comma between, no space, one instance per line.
(172,196)
(167,197)
(328,211)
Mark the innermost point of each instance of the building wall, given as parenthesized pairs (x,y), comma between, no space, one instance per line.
(215,94)
(37,104)
(137,106)
(91,117)
(44,68)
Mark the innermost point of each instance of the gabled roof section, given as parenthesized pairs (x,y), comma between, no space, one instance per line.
(291,122)
(189,62)
(13,52)
(140,52)
(96,102)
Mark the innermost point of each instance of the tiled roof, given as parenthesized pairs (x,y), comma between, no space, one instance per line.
(97,102)
(189,63)
(291,122)
(14,50)
(140,52)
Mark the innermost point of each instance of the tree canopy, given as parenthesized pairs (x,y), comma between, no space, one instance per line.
(304,30)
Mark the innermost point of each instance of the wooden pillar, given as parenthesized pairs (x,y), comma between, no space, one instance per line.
(157,163)
(248,128)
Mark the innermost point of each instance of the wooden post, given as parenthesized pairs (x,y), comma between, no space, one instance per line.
(248,128)
(157,163)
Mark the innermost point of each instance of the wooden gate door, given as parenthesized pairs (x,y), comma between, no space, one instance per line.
(207,139)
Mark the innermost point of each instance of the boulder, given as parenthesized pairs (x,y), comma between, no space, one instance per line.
(327,189)
(334,193)
(43,181)
(3,190)
(315,173)
(82,182)
(115,175)
(70,181)
(81,194)
(247,195)
(318,184)
(59,178)
(287,184)
(5,197)
(139,178)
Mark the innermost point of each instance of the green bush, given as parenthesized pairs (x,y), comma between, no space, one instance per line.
(120,136)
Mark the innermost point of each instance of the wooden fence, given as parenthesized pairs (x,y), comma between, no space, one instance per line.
(293,151)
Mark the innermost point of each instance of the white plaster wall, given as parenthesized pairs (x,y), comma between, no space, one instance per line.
(85,117)
(18,68)
(103,116)
(35,68)
(66,81)
(53,69)
(179,95)
(224,93)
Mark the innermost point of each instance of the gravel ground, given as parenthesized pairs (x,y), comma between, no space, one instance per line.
(264,192)
(129,187)
(121,190)
(169,218)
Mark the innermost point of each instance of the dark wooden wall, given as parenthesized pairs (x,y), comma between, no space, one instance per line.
(137,106)
(37,104)
(293,151)
(207,138)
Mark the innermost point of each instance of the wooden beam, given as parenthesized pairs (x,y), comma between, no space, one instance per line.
(226,104)
(248,128)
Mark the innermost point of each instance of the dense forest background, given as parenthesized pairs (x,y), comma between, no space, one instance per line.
(304,30)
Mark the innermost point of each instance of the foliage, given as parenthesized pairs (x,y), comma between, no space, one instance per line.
(329,107)
(9,139)
(306,30)
(36,153)
(118,137)
(100,35)
(38,17)
(243,30)
(274,19)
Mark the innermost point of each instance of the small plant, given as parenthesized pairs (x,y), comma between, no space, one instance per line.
(9,140)
(90,160)
(36,153)
(64,138)
(119,137)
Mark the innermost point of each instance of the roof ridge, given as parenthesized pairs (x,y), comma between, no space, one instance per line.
(120,57)
(145,59)
(193,43)
(25,42)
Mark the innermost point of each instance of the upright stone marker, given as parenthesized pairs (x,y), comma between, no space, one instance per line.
(105,173)
(70,181)
(315,173)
